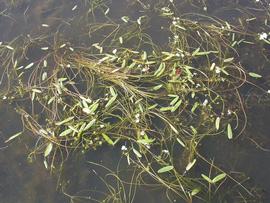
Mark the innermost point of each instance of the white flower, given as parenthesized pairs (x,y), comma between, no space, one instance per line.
(218,70)
(165,151)
(124,148)
(263,36)
(268,91)
(205,102)
(142,133)
(102,126)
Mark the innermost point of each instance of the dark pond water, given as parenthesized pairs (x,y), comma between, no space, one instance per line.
(24,182)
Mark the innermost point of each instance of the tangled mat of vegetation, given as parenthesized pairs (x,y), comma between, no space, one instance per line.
(157,102)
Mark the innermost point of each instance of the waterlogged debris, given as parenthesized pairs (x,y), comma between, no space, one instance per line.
(48,149)
(229,131)
(65,121)
(165,169)
(190,165)
(29,66)
(254,75)
(13,137)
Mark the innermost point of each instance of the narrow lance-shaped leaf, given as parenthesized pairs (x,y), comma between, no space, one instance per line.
(107,139)
(48,149)
(13,137)
(165,169)
(190,165)
(65,121)
(206,178)
(254,75)
(217,123)
(229,131)
(219,177)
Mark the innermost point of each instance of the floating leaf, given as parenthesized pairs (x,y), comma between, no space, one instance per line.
(206,178)
(29,66)
(107,139)
(165,169)
(219,177)
(138,154)
(254,75)
(111,100)
(217,123)
(48,149)
(228,60)
(13,137)
(195,191)
(160,70)
(229,131)
(65,132)
(181,142)
(65,121)
(190,165)
(89,125)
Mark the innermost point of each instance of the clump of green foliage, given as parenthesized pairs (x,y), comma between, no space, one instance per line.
(127,91)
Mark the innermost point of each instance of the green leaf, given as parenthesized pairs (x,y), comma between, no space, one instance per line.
(89,125)
(206,178)
(254,75)
(110,102)
(165,169)
(176,106)
(65,133)
(219,177)
(138,154)
(65,121)
(190,165)
(13,137)
(107,139)
(160,70)
(217,123)
(48,149)
(195,191)
(181,142)
(229,131)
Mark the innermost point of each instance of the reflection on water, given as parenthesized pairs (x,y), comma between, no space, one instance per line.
(23,182)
